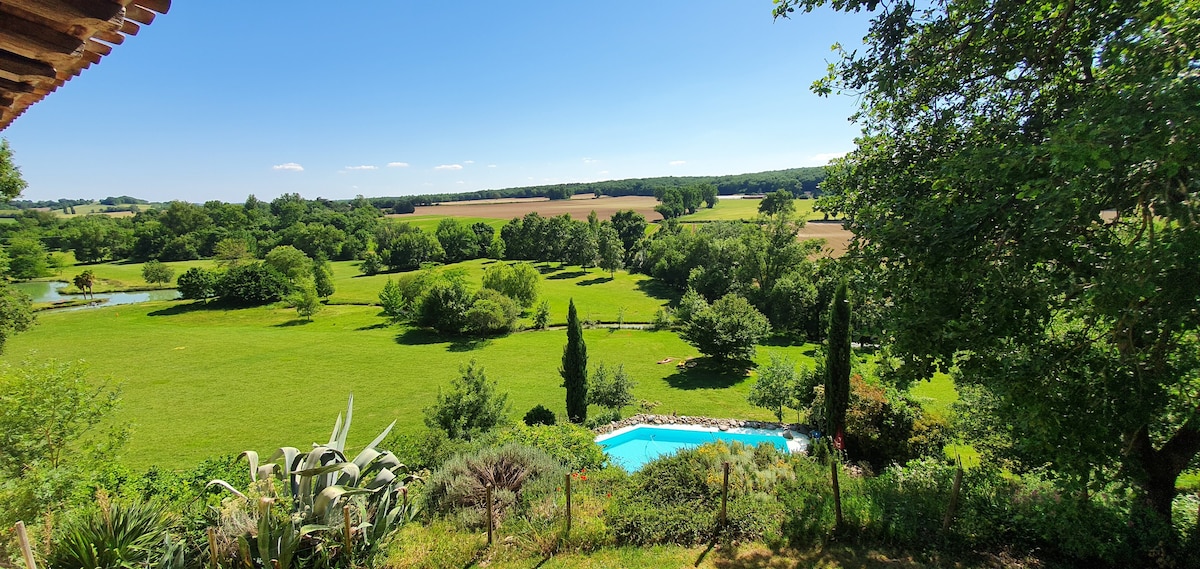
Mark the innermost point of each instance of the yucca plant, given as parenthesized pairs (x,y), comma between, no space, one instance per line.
(116,534)
(322,487)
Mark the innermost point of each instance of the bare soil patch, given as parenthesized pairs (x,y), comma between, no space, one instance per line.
(837,238)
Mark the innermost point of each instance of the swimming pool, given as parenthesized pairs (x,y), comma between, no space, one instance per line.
(634,446)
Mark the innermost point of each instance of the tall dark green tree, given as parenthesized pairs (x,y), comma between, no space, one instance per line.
(1061,276)
(574,368)
(837,363)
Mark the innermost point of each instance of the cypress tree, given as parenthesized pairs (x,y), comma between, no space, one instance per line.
(574,368)
(837,379)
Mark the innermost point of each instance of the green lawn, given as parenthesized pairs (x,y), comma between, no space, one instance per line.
(739,209)
(199,382)
(429,223)
(597,297)
(121,275)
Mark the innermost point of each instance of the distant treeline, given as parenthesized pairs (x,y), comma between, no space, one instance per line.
(69,203)
(799,181)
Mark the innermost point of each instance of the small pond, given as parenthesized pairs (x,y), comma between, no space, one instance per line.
(49,292)
(632,447)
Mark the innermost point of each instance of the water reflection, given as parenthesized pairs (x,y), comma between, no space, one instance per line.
(49,292)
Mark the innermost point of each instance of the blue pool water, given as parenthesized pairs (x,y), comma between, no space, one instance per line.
(633,448)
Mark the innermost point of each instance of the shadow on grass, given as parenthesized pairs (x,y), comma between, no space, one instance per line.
(784,341)
(709,375)
(567,275)
(656,289)
(595,281)
(419,337)
(184,308)
(546,269)
(291,323)
(378,326)
(468,344)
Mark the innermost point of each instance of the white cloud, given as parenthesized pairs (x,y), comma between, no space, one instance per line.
(468,161)
(363,167)
(491,165)
(397,165)
(824,158)
(448,167)
(602,172)
(590,161)
(460,182)
(429,184)
(290,166)
(677,162)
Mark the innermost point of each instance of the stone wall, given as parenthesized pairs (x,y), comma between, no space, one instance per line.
(720,424)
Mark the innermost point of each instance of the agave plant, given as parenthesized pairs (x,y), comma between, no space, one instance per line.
(323,486)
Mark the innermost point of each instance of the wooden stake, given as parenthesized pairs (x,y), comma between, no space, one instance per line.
(837,490)
(568,503)
(724,494)
(26,550)
(490,516)
(212,548)
(346,518)
(954,490)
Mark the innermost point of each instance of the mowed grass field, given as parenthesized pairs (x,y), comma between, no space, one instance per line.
(598,296)
(202,381)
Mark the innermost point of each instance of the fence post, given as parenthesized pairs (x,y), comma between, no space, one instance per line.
(348,531)
(837,489)
(568,487)
(26,550)
(954,490)
(724,493)
(491,517)
(212,548)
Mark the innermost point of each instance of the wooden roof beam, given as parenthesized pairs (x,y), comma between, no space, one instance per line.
(160,6)
(27,39)
(7,86)
(139,14)
(72,12)
(24,66)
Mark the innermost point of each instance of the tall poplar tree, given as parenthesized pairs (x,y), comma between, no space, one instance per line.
(574,368)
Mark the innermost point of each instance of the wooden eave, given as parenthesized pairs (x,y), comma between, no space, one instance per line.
(44,43)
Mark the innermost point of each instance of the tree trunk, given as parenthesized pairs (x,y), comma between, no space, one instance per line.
(1161,467)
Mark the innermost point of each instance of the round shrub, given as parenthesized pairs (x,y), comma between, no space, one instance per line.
(460,485)
(540,415)
(252,284)
(570,444)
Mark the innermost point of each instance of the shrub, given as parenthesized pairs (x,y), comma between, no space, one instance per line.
(519,281)
(603,418)
(155,272)
(370,264)
(252,284)
(675,499)
(197,284)
(113,534)
(459,486)
(491,313)
(470,408)
(542,317)
(570,444)
(539,415)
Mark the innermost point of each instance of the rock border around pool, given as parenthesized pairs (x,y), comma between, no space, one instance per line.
(719,424)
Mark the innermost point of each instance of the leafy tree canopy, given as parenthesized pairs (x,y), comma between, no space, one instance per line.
(1025,187)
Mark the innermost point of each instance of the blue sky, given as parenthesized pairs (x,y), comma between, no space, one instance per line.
(220,99)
